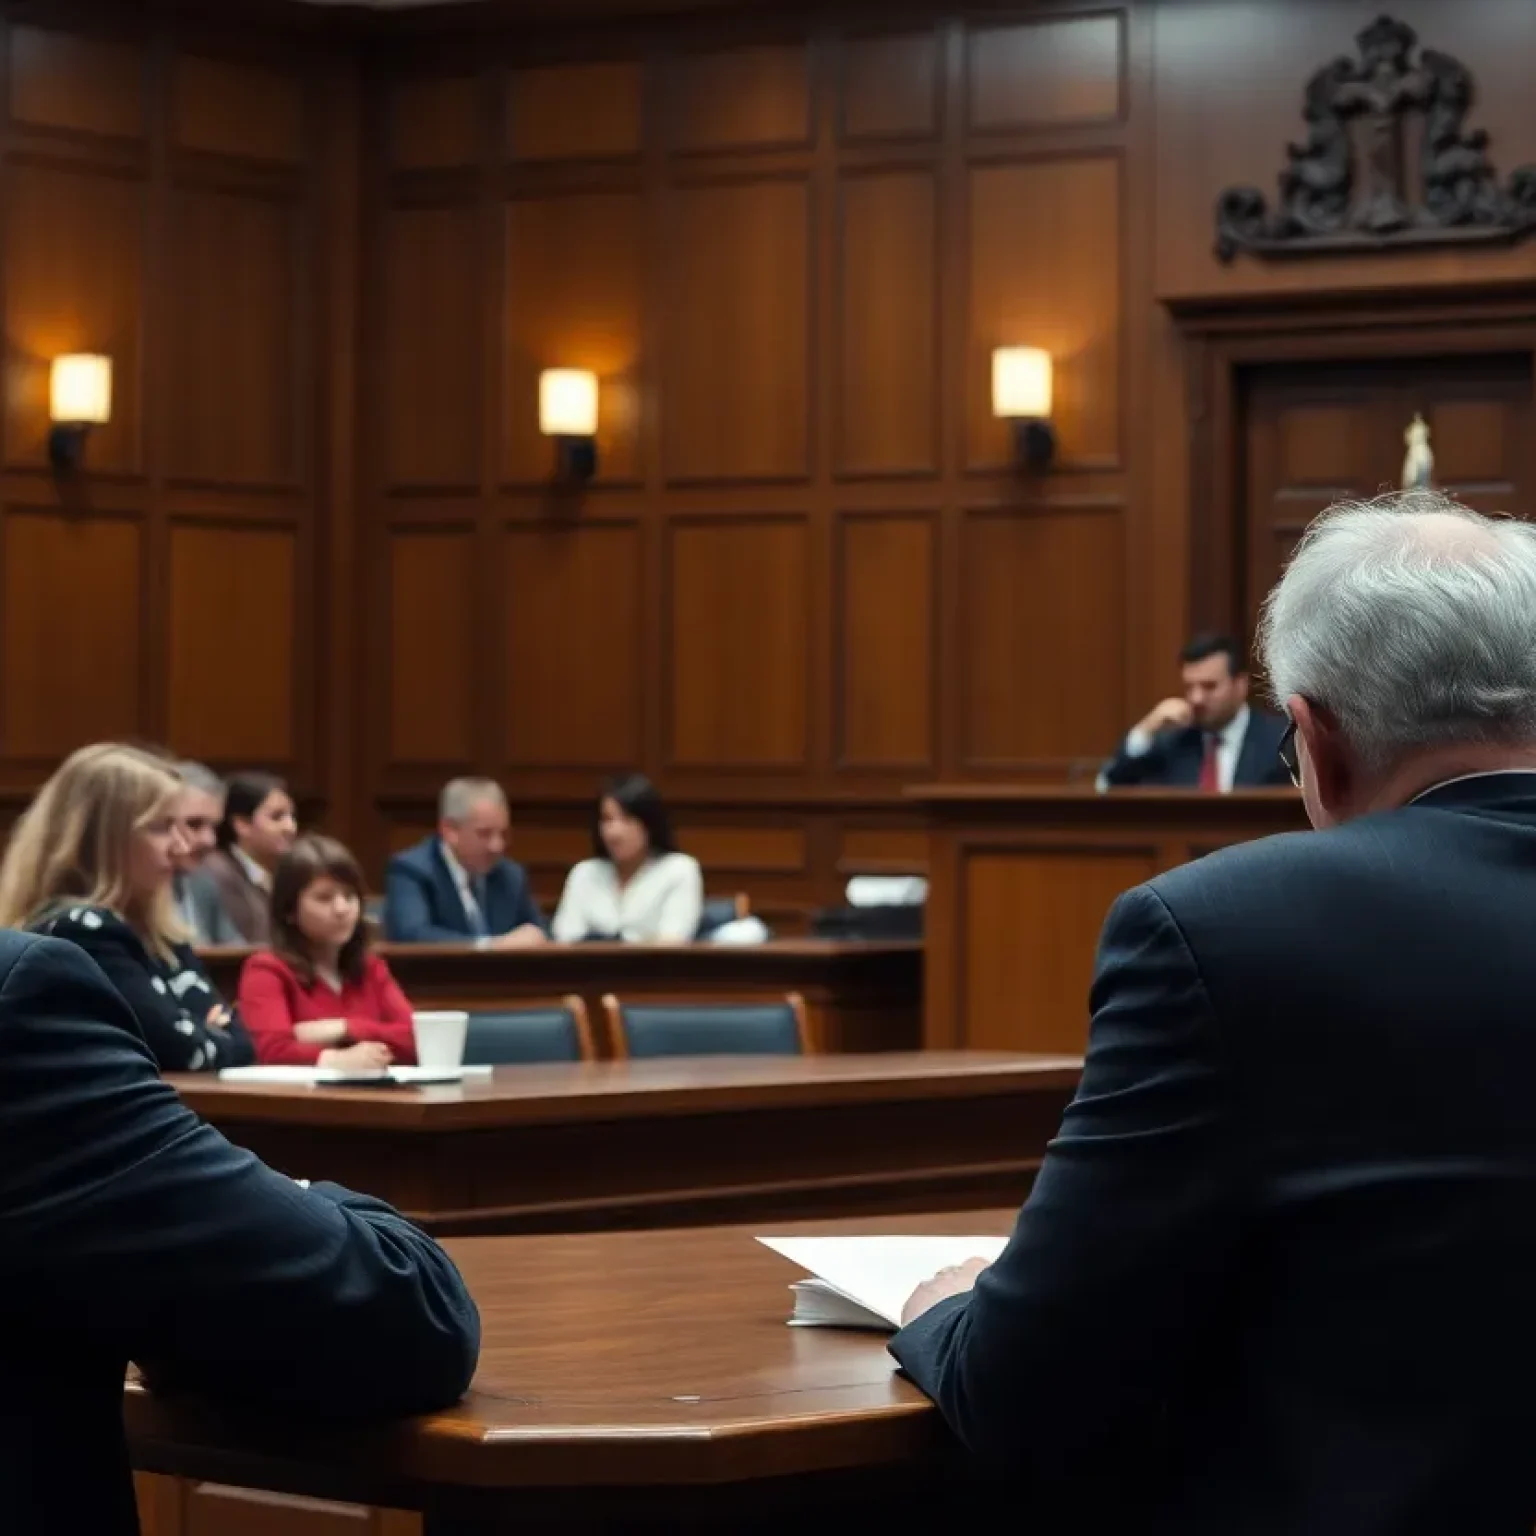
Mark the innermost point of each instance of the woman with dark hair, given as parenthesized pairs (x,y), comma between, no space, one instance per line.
(318,997)
(258,828)
(637,887)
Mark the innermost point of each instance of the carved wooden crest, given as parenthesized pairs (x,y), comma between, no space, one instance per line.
(1364,180)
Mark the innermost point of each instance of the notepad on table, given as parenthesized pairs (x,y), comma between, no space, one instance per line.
(863,1282)
(327,1077)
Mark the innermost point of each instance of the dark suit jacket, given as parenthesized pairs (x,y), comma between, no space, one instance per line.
(130,1230)
(1277,1271)
(422,905)
(1174,761)
(245,903)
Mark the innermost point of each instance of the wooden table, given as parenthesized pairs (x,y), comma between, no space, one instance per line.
(1020,880)
(858,997)
(627,1382)
(667,1142)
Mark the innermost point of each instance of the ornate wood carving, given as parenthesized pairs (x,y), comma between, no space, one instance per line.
(1352,183)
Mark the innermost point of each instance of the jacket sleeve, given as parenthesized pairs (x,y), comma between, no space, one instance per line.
(1078,1331)
(267,1009)
(681,907)
(527,909)
(391,1021)
(1126,768)
(407,913)
(129,1218)
(179,1041)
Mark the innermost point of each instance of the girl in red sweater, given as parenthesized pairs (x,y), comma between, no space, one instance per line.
(318,997)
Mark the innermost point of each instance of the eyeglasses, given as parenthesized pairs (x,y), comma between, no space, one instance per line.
(1287,750)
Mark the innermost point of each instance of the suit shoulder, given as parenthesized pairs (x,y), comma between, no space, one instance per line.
(16,946)
(415,860)
(1254,870)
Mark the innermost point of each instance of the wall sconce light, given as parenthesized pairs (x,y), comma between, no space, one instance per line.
(1021,393)
(568,413)
(79,398)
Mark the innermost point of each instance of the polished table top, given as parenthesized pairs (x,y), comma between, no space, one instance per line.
(610,1090)
(608,1360)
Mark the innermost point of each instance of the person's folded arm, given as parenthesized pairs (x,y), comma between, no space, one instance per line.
(268,1013)
(1078,1333)
(140,1228)
(1140,754)
(394,1023)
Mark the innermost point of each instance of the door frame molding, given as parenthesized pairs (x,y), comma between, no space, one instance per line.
(1220,340)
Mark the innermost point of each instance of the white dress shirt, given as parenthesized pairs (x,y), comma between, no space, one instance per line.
(462,884)
(1229,746)
(661,901)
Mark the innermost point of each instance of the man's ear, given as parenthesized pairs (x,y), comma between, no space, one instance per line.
(1327,771)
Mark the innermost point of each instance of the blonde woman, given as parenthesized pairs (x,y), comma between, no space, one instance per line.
(91,860)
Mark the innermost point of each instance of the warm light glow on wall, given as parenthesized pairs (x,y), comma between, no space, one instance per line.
(1021,383)
(80,391)
(568,402)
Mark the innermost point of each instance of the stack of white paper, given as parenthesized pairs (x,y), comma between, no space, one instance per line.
(320,1077)
(863,1282)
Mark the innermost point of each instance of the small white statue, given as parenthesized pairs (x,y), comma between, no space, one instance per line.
(1419,462)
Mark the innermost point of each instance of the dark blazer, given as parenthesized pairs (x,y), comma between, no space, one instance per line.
(170,999)
(1276,1273)
(1175,757)
(130,1230)
(422,906)
(245,903)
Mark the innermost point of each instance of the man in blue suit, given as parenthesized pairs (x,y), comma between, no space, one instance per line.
(132,1230)
(1276,1272)
(460,885)
(1208,738)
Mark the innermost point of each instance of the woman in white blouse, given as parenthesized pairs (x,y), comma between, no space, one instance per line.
(638,888)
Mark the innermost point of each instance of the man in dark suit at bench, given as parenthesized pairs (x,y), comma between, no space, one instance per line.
(1209,737)
(460,885)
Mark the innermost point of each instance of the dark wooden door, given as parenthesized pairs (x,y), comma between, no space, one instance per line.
(1319,433)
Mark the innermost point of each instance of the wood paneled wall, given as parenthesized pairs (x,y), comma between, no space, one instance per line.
(177,196)
(330,261)
(807,574)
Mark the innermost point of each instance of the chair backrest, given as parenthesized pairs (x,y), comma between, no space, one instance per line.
(517,1036)
(707,1029)
(720,910)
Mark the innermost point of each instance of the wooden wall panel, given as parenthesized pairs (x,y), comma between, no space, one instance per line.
(573,646)
(1051,903)
(738,334)
(888,384)
(235,272)
(575,112)
(737,623)
(1045,272)
(1051,72)
(79,83)
(890,86)
(61,296)
(226,108)
(435,122)
(574,274)
(431,678)
(1027,595)
(70,627)
(237,595)
(886,599)
(431,331)
(738,97)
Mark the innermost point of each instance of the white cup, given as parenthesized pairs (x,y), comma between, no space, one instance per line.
(440,1039)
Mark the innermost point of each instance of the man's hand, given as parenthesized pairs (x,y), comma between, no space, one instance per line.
(528,936)
(954,1281)
(1170,714)
(320,1031)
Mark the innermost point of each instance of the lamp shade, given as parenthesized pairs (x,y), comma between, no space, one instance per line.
(568,402)
(80,389)
(1021,383)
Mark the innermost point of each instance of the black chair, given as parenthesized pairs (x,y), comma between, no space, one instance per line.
(720,910)
(558,1032)
(707,1029)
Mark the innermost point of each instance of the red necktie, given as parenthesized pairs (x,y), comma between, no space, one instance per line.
(1209,781)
